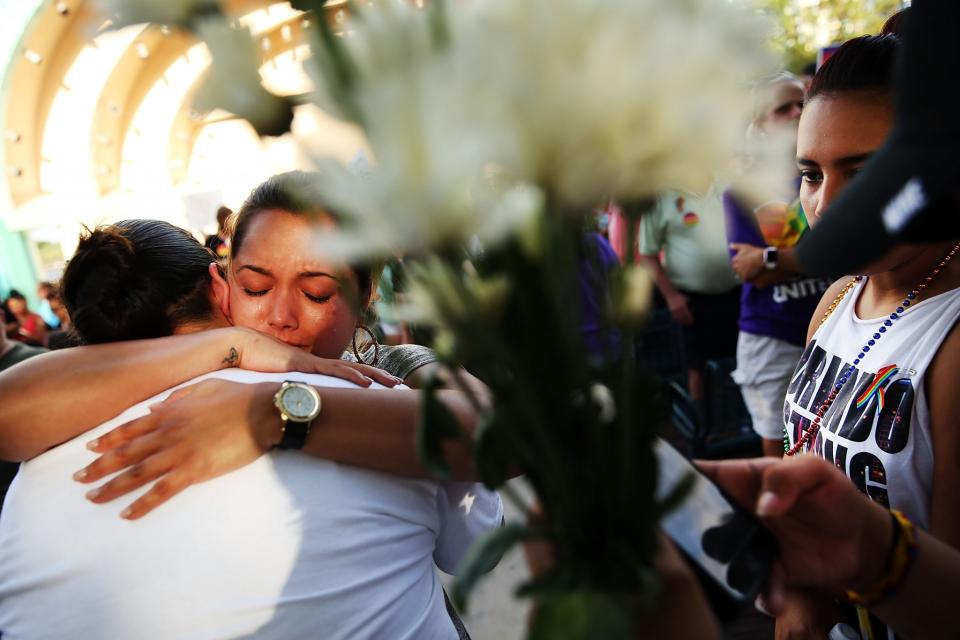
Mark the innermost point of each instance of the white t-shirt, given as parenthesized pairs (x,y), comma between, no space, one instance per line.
(287,547)
(877,431)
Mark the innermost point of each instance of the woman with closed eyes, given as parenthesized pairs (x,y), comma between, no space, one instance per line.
(373,428)
(277,285)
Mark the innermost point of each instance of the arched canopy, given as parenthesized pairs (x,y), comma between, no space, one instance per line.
(89,110)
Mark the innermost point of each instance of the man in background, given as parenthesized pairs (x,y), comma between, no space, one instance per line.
(683,244)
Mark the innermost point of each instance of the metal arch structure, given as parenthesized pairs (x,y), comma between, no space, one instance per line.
(50,44)
(138,69)
(53,39)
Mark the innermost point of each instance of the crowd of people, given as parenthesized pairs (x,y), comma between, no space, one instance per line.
(246,370)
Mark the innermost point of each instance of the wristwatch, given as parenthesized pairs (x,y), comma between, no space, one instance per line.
(770,258)
(299,404)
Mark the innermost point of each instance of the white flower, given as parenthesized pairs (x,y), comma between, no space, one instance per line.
(583,99)
(234,80)
(617,99)
(439,295)
(437,210)
(438,141)
(603,398)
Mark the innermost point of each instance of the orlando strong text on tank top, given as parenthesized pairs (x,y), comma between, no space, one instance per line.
(877,431)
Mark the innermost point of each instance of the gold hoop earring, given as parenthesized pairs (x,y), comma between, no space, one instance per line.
(373,339)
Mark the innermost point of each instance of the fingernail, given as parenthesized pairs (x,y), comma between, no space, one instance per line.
(92,445)
(765,503)
(369,380)
(80,475)
(126,513)
(92,494)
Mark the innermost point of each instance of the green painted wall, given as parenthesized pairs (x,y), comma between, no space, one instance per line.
(16,265)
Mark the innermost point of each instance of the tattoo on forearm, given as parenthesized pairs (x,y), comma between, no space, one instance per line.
(232,359)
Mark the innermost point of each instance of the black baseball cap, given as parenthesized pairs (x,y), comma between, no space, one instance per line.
(909,190)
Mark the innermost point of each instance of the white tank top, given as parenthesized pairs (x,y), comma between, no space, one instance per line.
(884,445)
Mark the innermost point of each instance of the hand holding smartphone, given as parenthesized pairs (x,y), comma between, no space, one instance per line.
(727,547)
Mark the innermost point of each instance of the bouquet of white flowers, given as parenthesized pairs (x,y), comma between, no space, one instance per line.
(496,125)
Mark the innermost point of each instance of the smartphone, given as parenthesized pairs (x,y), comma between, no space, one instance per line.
(730,551)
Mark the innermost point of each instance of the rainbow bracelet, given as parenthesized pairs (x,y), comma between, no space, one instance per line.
(901,557)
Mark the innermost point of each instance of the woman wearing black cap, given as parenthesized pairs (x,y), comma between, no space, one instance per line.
(873,392)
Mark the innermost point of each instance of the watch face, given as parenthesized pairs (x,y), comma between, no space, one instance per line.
(298,403)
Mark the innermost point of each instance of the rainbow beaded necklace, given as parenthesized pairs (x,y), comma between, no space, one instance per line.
(807,436)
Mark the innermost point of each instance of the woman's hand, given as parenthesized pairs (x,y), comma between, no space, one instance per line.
(256,351)
(198,433)
(747,262)
(830,534)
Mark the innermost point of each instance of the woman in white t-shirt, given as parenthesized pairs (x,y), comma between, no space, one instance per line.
(370,428)
(874,391)
(315,313)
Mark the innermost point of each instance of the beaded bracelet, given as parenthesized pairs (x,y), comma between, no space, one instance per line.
(901,557)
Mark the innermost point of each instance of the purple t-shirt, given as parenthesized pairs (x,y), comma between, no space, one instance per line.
(780,311)
(598,262)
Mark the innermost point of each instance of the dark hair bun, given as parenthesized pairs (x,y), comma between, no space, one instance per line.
(129,281)
(97,287)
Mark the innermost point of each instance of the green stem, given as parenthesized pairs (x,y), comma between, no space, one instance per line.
(439,26)
(341,69)
(456,372)
(516,500)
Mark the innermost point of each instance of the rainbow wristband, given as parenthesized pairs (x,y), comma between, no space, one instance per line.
(902,553)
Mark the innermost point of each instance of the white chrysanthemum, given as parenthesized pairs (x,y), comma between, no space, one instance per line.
(434,143)
(380,219)
(439,295)
(234,80)
(586,99)
(617,99)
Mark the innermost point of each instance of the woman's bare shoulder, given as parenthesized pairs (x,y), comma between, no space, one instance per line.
(828,297)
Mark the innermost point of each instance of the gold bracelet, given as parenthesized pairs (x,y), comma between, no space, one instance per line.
(901,557)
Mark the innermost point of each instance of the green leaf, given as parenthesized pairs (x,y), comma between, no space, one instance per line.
(338,69)
(492,452)
(482,556)
(583,615)
(559,579)
(437,424)
(439,29)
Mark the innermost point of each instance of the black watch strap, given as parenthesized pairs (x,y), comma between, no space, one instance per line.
(294,435)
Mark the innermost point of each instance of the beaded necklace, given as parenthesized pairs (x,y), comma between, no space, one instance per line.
(807,436)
